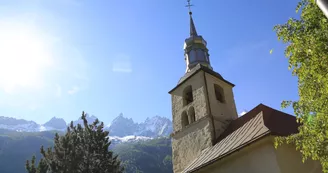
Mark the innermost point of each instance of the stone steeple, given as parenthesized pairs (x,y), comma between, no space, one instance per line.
(202,103)
(195,48)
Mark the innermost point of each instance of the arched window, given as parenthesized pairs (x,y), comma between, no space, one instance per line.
(184,119)
(191,114)
(187,95)
(219,94)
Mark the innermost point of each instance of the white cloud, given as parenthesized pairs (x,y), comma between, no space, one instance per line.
(73,90)
(122,64)
(122,69)
(242,113)
(70,2)
(58,90)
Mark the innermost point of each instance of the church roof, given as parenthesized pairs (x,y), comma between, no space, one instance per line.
(257,123)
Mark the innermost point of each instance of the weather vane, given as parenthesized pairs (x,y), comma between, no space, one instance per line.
(189,6)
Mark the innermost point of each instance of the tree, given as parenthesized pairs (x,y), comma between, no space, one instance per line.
(307,52)
(80,150)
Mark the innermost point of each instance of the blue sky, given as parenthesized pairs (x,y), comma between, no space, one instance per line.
(60,57)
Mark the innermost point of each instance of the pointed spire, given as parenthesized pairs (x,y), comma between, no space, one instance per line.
(193,31)
(195,48)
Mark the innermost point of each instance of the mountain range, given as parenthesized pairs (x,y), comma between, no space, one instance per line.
(152,127)
(144,156)
(142,147)
(121,129)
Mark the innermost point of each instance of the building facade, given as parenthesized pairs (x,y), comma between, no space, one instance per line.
(208,136)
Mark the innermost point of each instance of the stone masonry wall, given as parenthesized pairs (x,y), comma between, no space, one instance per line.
(222,113)
(199,103)
(189,141)
(188,144)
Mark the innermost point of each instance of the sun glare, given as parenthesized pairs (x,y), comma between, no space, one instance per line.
(23,57)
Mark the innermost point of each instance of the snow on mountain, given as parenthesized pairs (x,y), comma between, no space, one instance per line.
(156,126)
(129,138)
(18,124)
(21,125)
(242,113)
(122,126)
(48,128)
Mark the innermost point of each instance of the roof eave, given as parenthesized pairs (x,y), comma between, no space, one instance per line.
(205,69)
(230,152)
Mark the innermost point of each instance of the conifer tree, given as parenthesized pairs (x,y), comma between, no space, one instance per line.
(83,149)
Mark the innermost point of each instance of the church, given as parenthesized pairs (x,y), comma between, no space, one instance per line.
(209,137)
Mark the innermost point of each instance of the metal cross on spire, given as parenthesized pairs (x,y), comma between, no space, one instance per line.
(193,31)
(189,6)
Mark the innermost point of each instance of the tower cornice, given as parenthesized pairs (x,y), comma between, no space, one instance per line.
(196,70)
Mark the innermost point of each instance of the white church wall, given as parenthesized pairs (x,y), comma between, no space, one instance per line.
(259,157)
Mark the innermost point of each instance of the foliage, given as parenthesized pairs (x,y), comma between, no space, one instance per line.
(81,149)
(307,50)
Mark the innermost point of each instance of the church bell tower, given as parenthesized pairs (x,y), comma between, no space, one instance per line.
(202,103)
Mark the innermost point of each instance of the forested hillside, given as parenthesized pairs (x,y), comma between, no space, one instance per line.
(17,147)
(146,156)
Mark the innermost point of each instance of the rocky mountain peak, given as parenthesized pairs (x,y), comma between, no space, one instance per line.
(120,127)
(56,123)
(89,118)
(151,127)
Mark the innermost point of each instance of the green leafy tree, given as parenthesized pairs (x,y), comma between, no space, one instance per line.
(307,52)
(80,150)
